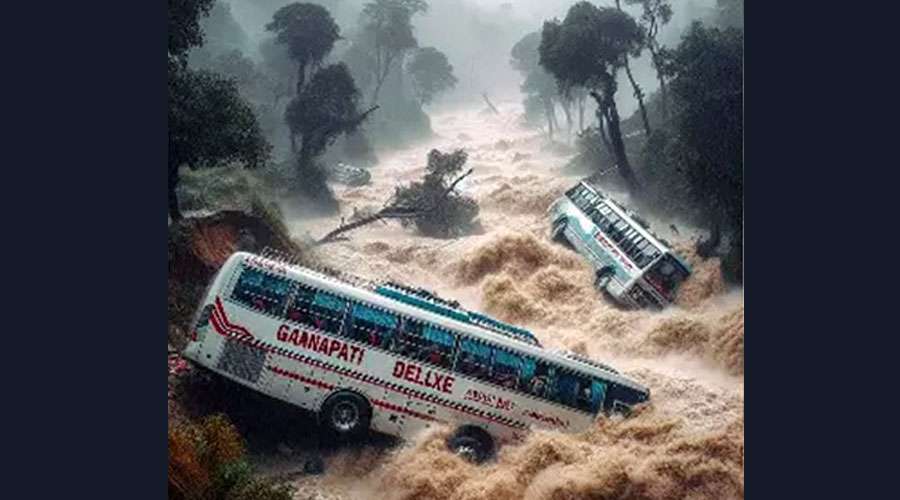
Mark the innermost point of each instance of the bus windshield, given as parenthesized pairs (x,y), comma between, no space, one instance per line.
(666,275)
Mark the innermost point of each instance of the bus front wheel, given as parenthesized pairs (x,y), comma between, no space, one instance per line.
(472,444)
(346,414)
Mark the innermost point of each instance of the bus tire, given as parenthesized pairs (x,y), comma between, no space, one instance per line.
(472,443)
(346,414)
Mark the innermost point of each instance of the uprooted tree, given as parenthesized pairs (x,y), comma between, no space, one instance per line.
(433,206)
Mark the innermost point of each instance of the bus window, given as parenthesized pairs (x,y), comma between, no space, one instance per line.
(318,309)
(408,341)
(474,359)
(541,381)
(598,394)
(566,388)
(436,347)
(372,326)
(574,192)
(261,291)
(666,275)
(507,369)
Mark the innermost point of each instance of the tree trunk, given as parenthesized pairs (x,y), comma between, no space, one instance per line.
(548,110)
(174,211)
(601,124)
(639,95)
(608,104)
(580,113)
(663,90)
(567,109)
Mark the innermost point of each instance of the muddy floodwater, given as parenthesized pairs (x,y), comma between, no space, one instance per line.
(688,443)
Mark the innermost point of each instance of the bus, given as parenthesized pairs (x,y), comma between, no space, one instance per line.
(632,266)
(393,359)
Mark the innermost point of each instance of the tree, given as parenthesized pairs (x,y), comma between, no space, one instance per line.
(309,33)
(539,85)
(324,109)
(654,15)
(388,33)
(209,125)
(431,73)
(184,28)
(708,87)
(587,49)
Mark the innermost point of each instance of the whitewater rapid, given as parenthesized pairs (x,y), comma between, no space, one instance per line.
(687,444)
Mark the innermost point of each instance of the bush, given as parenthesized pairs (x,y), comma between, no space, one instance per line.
(207,461)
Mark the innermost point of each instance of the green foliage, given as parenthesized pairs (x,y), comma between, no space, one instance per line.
(709,87)
(589,45)
(209,123)
(694,165)
(324,109)
(207,461)
(431,73)
(184,27)
(307,30)
(445,214)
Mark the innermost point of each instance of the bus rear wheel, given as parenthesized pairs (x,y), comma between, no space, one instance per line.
(472,444)
(346,414)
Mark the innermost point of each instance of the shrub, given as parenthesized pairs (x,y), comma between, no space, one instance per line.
(207,461)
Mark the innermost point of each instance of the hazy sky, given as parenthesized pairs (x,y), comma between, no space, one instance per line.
(461,32)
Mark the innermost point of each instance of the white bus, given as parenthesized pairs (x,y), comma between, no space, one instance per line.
(393,359)
(632,265)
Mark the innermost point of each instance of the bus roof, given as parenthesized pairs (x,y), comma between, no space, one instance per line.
(369,294)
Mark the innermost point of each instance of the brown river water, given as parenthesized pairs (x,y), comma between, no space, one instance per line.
(688,443)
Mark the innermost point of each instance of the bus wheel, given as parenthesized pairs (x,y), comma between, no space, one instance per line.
(346,414)
(472,443)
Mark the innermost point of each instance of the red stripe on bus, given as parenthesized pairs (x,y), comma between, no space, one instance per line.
(403,390)
(297,376)
(383,404)
(230,325)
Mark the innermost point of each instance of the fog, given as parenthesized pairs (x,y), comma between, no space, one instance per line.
(477,36)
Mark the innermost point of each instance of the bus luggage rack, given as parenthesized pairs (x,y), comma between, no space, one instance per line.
(297,260)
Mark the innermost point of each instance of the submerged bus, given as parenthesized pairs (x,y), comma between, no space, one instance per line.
(393,359)
(633,266)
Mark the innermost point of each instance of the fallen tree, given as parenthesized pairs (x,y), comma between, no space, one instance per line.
(431,204)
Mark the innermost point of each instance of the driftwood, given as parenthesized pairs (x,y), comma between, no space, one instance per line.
(489,103)
(389,212)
